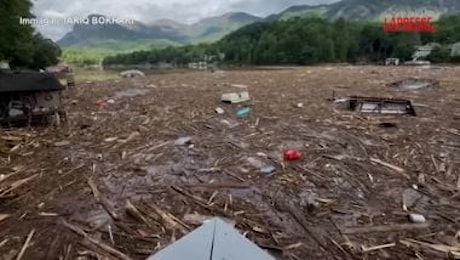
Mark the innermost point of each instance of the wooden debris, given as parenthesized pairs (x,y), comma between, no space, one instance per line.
(26,244)
(435,163)
(99,244)
(373,248)
(234,176)
(111,234)
(385,228)
(68,251)
(170,221)
(48,214)
(195,219)
(454,251)
(11,138)
(201,202)
(338,246)
(4,242)
(298,218)
(6,177)
(293,246)
(392,167)
(195,198)
(221,185)
(110,139)
(134,212)
(6,190)
(339,157)
(102,200)
(453,131)
(4,216)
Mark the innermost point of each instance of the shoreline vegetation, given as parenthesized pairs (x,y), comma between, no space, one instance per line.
(306,41)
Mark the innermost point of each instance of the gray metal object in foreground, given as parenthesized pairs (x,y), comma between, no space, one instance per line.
(214,240)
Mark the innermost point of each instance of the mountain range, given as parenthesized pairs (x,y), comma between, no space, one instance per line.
(209,29)
(170,32)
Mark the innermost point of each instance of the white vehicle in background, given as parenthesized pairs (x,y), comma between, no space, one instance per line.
(132,74)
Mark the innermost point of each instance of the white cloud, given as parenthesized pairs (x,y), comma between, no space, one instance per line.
(53,14)
(148,11)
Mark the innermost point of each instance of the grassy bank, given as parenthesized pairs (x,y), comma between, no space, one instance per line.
(82,75)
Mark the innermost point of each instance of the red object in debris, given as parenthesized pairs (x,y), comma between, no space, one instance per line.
(101,103)
(292,155)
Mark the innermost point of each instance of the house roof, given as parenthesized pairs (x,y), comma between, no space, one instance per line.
(214,240)
(13,81)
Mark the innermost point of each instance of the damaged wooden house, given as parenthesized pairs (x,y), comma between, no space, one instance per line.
(29,98)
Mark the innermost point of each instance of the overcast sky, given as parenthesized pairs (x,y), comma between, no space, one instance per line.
(147,11)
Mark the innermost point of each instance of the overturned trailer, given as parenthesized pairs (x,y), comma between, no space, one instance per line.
(27,97)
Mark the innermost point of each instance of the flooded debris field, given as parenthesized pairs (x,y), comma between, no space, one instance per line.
(144,161)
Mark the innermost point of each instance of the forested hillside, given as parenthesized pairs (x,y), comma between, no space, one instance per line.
(212,29)
(302,41)
(20,45)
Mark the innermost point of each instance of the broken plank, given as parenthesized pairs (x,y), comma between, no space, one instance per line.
(201,202)
(16,185)
(373,248)
(4,242)
(168,219)
(185,193)
(99,244)
(384,228)
(4,216)
(221,185)
(134,212)
(102,200)
(453,131)
(391,166)
(108,249)
(451,250)
(5,177)
(26,244)
(234,176)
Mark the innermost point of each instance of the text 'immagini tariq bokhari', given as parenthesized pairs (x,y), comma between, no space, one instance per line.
(408,24)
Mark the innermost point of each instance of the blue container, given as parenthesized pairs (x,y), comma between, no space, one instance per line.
(243,112)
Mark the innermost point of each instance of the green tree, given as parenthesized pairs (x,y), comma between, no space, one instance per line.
(18,43)
(46,52)
(16,40)
(439,55)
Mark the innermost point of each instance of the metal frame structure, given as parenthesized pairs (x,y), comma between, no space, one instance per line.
(381,105)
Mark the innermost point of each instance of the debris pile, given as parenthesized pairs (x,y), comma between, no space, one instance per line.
(129,180)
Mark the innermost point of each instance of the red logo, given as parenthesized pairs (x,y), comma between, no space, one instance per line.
(408,24)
